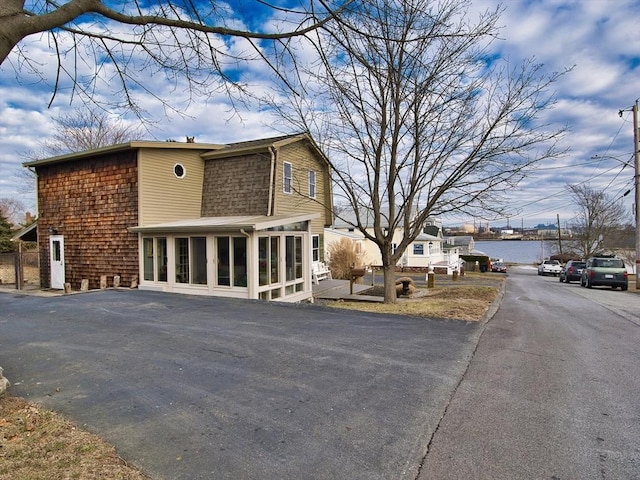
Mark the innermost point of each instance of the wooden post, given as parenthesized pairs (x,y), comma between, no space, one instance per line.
(17,265)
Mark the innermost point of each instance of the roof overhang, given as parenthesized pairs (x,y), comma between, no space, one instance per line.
(220,224)
(135,145)
(236,151)
(425,237)
(345,233)
(265,145)
(27,234)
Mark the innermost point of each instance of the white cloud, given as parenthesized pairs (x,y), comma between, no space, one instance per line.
(599,37)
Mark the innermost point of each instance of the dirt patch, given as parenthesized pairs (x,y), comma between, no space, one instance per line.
(465,299)
(38,444)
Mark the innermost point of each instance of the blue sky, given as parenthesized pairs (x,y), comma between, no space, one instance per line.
(600,39)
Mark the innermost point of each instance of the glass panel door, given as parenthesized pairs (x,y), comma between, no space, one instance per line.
(147,259)
(275,259)
(224,270)
(199,260)
(161,258)
(263,261)
(239,261)
(182,260)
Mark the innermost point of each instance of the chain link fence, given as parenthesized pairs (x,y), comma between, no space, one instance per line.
(20,269)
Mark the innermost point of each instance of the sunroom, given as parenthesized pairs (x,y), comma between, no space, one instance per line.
(253,257)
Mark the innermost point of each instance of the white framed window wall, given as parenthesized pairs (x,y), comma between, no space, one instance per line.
(268,264)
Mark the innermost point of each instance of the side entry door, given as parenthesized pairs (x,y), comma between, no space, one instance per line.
(56,250)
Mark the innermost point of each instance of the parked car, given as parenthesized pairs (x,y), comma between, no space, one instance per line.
(499,267)
(572,271)
(605,270)
(550,267)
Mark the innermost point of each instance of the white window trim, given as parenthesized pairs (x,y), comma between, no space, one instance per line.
(312,194)
(184,170)
(284,177)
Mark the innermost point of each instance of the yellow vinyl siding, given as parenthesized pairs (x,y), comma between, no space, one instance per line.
(302,160)
(163,196)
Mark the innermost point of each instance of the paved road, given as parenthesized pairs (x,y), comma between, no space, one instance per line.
(199,387)
(553,391)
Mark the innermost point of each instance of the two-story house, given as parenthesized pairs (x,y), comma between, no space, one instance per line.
(243,220)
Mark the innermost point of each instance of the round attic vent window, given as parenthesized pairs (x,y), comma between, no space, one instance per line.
(179,171)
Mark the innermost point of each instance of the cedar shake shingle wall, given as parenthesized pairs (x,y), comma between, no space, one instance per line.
(91,202)
(236,186)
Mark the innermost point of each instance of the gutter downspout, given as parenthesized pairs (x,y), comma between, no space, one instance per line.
(272,175)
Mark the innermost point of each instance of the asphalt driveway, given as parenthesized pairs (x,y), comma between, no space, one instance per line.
(192,387)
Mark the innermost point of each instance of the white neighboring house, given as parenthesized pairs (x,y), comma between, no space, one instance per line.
(427,250)
(465,243)
(333,235)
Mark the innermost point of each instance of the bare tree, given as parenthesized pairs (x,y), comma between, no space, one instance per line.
(122,44)
(12,210)
(599,218)
(76,131)
(86,129)
(417,118)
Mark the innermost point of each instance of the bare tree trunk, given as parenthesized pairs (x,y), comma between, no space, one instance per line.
(389,271)
(390,295)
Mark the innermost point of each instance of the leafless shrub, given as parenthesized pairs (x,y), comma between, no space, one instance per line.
(343,255)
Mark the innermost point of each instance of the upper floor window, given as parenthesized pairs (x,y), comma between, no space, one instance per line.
(287,176)
(179,170)
(312,184)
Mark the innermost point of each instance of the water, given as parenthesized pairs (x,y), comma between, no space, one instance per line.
(516,251)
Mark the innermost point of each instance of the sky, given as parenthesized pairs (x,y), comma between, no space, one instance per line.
(598,39)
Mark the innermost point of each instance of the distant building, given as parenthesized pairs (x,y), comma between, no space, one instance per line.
(465,243)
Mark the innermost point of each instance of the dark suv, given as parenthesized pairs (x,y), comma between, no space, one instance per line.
(572,271)
(604,270)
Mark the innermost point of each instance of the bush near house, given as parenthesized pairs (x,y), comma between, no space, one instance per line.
(342,256)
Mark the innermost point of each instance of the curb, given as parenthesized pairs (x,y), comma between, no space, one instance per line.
(495,305)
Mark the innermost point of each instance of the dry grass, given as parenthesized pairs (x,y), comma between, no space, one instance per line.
(38,444)
(465,302)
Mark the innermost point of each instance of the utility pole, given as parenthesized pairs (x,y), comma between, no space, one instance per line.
(559,237)
(636,155)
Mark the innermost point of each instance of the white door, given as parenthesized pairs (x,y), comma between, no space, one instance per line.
(56,249)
